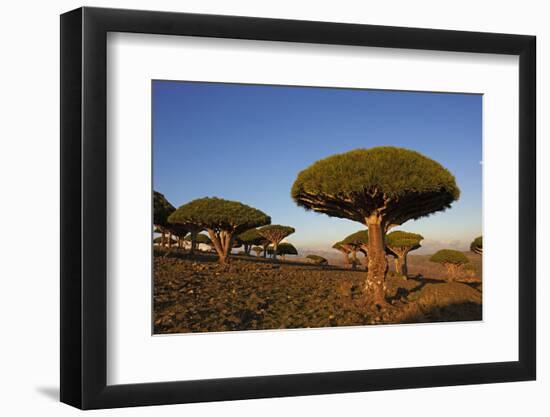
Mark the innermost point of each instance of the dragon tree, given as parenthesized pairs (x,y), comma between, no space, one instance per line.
(222,219)
(161,211)
(477,245)
(452,260)
(283,249)
(381,188)
(357,242)
(400,243)
(344,250)
(251,238)
(275,233)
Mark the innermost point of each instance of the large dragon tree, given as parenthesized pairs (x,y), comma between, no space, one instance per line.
(222,219)
(161,211)
(275,233)
(381,188)
(400,243)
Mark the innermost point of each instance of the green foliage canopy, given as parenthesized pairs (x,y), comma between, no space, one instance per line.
(449,256)
(275,232)
(161,209)
(358,239)
(251,237)
(316,259)
(284,248)
(403,240)
(477,245)
(396,183)
(219,214)
(200,238)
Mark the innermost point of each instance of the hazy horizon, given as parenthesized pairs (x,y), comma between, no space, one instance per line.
(248,143)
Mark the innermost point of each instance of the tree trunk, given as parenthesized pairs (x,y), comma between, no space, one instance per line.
(283,257)
(275,247)
(169,240)
(353,259)
(222,242)
(404,268)
(247,248)
(346,258)
(377,264)
(193,242)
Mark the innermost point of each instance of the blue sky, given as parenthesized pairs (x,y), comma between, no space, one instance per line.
(248,143)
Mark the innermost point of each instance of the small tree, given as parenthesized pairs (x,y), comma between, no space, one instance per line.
(199,239)
(400,244)
(357,242)
(275,233)
(258,250)
(222,219)
(250,238)
(452,260)
(317,260)
(161,210)
(284,249)
(344,250)
(379,187)
(181,232)
(477,245)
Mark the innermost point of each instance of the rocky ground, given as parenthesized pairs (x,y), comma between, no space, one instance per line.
(195,294)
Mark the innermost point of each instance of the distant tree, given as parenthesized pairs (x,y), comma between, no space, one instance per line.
(161,210)
(381,188)
(199,239)
(357,242)
(180,232)
(250,238)
(452,260)
(258,250)
(222,219)
(275,233)
(344,250)
(477,245)
(317,260)
(283,249)
(400,243)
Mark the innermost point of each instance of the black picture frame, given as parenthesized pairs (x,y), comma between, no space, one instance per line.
(84,207)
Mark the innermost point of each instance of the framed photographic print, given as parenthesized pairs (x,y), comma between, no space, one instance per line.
(258,207)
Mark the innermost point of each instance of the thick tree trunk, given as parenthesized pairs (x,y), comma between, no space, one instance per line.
(222,242)
(169,240)
(354,259)
(377,264)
